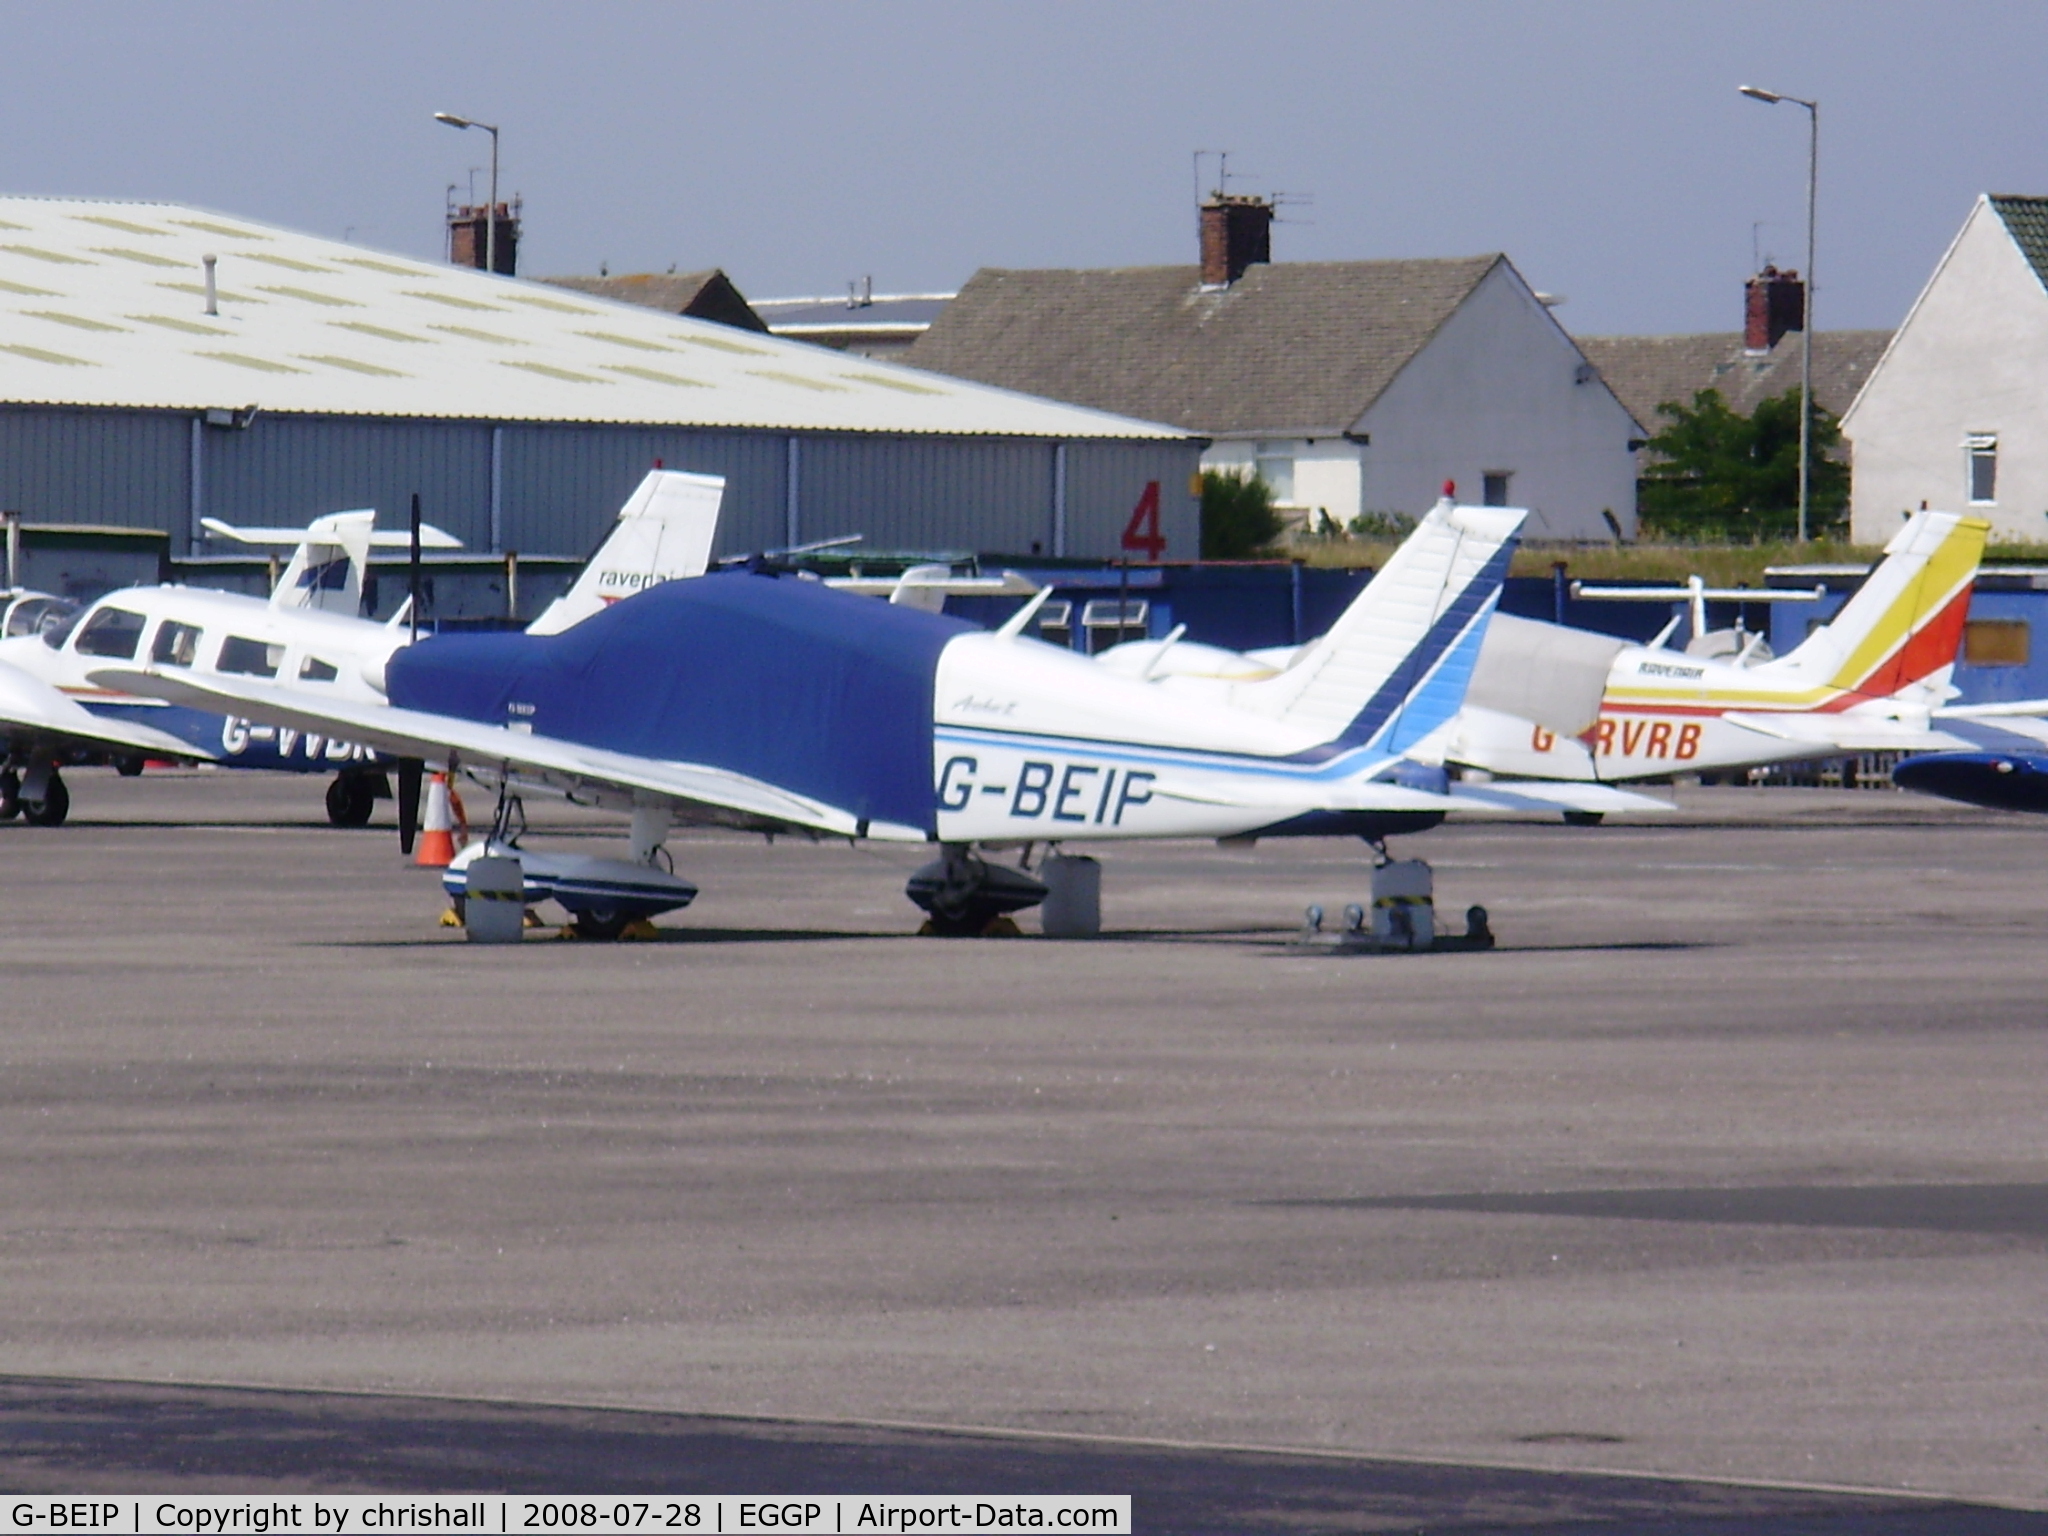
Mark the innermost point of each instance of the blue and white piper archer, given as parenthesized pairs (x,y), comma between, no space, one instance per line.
(751,700)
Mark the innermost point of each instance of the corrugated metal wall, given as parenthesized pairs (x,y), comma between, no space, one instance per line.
(123,469)
(927,493)
(559,485)
(1105,482)
(285,470)
(562,485)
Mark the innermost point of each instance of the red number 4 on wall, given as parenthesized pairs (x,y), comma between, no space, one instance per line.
(1142,531)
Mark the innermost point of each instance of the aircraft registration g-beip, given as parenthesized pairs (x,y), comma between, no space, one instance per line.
(752,700)
(307,631)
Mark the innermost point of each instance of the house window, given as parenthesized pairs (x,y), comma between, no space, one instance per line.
(1274,463)
(1996,643)
(1493,487)
(1983,450)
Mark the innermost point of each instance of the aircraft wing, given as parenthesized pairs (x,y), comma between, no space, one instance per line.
(30,706)
(2001,711)
(699,791)
(1846,732)
(1516,796)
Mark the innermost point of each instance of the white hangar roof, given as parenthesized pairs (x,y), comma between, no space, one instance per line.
(103,304)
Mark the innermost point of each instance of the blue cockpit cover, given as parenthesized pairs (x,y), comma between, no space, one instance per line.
(819,692)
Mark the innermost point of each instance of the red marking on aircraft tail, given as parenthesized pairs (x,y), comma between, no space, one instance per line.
(1926,651)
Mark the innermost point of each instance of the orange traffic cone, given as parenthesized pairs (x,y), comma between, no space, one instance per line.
(437,836)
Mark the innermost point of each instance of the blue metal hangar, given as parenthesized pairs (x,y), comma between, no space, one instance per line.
(162,364)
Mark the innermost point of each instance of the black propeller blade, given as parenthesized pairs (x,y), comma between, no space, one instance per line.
(410,772)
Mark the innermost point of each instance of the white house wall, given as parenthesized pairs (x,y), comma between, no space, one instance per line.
(1971,358)
(1497,389)
(1326,474)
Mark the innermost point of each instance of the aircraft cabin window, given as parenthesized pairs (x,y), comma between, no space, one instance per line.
(110,632)
(177,645)
(254,657)
(314,670)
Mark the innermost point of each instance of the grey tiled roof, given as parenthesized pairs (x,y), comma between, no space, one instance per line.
(1291,347)
(2027,219)
(1647,371)
(700,295)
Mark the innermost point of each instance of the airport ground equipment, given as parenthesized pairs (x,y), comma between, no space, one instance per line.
(1073,897)
(603,897)
(1401,919)
(494,899)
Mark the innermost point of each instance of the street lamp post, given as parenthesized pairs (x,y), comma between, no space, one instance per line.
(491,214)
(1756,93)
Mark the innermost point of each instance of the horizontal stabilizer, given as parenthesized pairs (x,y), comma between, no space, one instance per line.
(288,538)
(1845,732)
(1523,795)
(1543,672)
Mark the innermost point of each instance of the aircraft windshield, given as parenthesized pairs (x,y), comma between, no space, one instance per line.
(36,615)
(110,632)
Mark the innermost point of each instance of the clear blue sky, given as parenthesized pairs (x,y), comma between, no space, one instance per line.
(1603,146)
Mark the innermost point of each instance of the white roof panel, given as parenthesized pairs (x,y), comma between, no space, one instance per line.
(102,304)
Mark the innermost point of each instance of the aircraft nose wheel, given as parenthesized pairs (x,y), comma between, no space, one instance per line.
(351,799)
(51,810)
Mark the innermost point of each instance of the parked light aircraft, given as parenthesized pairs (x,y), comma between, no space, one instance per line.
(1875,678)
(751,700)
(307,631)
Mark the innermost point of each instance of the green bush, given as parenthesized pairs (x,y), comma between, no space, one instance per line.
(1238,520)
(1722,475)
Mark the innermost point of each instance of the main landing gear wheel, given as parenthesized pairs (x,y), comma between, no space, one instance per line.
(601,923)
(351,799)
(51,810)
(963,894)
(10,795)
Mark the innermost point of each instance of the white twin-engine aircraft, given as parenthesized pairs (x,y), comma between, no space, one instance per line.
(752,700)
(307,634)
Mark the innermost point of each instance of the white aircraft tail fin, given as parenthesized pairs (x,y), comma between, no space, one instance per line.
(1899,633)
(1395,665)
(664,532)
(329,556)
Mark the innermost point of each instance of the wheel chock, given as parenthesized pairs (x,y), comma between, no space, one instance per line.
(450,918)
(640,928)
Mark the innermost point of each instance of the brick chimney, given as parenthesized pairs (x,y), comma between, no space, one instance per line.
(1774,302)
(469,232)
(1237,232)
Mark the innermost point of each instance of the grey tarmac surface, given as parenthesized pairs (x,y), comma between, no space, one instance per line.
(1728,1164)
